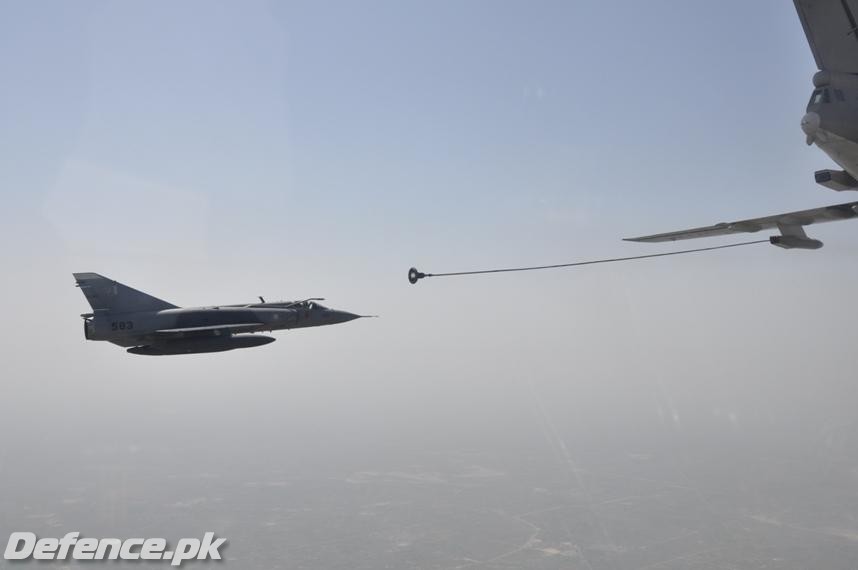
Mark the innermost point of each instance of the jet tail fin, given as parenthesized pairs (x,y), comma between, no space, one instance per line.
(108,296)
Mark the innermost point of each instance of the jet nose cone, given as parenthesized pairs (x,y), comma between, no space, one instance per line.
(810,125)
(343,316)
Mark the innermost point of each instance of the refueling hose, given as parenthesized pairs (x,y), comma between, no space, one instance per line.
(414,275)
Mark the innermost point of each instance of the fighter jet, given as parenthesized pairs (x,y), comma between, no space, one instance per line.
(830,122)
(150,326)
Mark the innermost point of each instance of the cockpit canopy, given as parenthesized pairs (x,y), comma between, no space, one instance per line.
(307,304)
(824,96)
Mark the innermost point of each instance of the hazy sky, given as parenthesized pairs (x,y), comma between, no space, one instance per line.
(210,152)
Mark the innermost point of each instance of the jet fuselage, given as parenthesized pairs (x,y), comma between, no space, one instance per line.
(148,325)
(133,329)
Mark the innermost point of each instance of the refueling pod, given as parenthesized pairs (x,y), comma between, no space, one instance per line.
(795,242)
(837,180)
